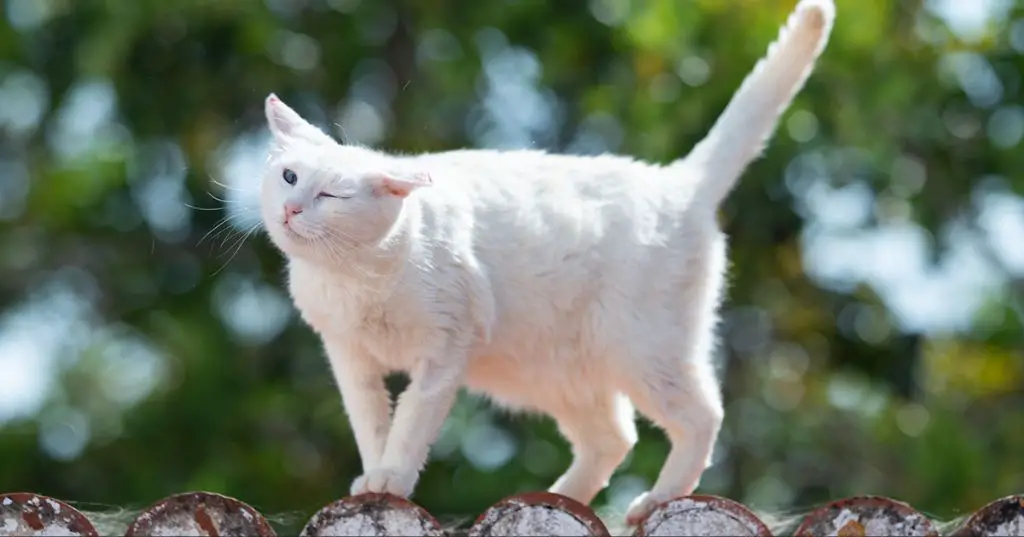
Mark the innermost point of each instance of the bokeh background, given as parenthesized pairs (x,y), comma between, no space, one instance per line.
(872,340)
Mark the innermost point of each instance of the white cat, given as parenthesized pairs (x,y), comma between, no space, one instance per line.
(569,285)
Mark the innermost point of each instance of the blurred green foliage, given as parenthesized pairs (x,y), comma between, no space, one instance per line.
(872,335)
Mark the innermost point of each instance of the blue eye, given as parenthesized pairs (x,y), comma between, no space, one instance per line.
(289,176)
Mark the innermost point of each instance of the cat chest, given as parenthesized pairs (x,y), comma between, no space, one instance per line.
(380,329)
(335,313)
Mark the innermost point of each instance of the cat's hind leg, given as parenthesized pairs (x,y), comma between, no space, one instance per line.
(684,399)
(601,436)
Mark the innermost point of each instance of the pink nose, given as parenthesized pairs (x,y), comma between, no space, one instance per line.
(290,210)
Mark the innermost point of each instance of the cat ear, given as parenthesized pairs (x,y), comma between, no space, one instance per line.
(282,120)
(400,185)
(286,123)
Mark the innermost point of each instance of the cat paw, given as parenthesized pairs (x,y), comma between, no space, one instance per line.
(641,507)
(385,480)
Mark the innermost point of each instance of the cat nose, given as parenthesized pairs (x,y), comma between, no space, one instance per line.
(290,210)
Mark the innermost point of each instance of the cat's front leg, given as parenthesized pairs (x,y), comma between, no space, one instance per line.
(366,399)
(421,410)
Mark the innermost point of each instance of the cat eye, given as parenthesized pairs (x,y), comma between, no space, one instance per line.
(326,195)
(289,176)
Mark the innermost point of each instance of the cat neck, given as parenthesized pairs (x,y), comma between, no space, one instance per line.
(373,264)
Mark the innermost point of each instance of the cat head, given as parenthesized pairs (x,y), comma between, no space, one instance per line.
(320,199)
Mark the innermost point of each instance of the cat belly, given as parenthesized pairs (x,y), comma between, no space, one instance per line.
(538,379)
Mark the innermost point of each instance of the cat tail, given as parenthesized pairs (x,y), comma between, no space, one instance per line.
(748,122)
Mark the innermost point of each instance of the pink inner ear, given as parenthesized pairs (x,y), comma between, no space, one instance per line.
(394,186)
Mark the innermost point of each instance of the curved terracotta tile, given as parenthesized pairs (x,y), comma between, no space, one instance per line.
(538,514)
(866,516)
(702,515)
(202,513)
(26,514)
(1003,517)
(372,515)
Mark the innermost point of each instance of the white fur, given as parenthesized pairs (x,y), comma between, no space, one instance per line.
(573,286)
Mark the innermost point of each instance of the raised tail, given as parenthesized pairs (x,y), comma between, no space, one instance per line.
(749,120)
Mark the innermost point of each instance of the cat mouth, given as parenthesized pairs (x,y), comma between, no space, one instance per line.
(291,233)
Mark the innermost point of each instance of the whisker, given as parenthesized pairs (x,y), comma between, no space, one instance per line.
(342,135)
(250,229)
(237,247)
(217,228)
(224,201)
(194,208)
(227,187)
